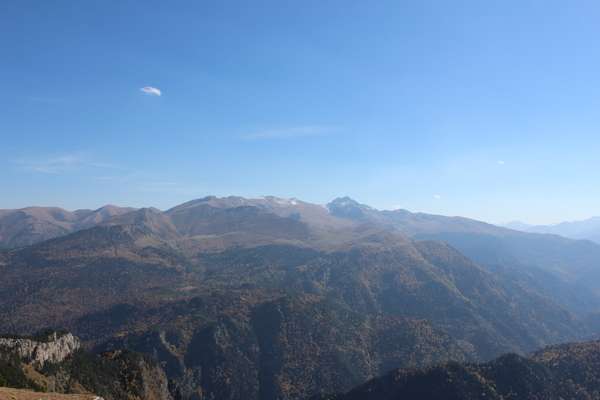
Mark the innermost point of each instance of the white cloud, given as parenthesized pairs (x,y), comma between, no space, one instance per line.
(437,196)
(291,132)
(500,162)
(151,90)
(397,207)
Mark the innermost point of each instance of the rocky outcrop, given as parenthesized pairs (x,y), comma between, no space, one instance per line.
(54,347)
(141,377)
(155,384)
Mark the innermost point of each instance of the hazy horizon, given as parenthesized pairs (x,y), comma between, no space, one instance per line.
(486,110)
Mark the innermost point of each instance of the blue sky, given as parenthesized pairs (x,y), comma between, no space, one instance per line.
(484,109)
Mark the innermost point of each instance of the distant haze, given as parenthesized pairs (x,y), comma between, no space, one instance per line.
(484,109)
(588,229)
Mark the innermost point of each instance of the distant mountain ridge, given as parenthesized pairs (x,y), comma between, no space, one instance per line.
(21,227)
(215,224)
(278,298)
(577,263)
(30,225)
(588,229)
(367,268)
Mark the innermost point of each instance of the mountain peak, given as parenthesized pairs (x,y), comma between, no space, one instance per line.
(516,225)
(345,207)
(345,199)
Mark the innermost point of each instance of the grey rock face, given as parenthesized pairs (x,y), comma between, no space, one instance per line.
(56,349)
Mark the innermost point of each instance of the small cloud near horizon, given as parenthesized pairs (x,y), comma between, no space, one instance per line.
(291,132)
(397,207)
(151,90)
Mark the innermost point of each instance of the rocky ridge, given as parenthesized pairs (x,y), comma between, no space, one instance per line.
(57,347)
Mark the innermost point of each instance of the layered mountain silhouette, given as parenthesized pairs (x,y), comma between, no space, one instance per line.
(215,242)
(277,298)
(485,243)
(32,225)
(588,229)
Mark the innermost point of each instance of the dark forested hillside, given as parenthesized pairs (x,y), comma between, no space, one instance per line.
(252,342)
(48,284)
(577,362)
(423,279)
(568,371)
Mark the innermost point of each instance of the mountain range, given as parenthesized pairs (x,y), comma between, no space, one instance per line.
(277,298)
(30,225)
(588,229)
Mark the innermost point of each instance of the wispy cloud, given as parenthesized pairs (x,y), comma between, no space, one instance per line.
(397,207)
(83,166)
(437,196)
(151,90)
(79,162)
(500,162)
(291,132)
(53,165)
